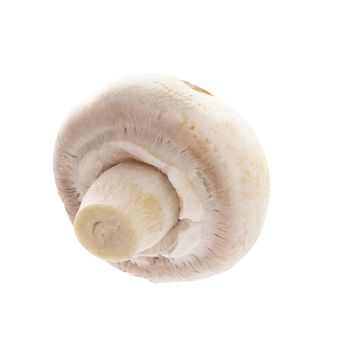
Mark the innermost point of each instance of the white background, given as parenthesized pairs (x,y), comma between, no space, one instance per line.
(282,65)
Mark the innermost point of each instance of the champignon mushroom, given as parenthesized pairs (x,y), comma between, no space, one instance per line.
(162,179)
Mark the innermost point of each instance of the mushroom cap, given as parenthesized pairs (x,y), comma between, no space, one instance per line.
(206,149)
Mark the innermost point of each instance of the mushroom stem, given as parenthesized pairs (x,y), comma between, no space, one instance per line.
(128,209)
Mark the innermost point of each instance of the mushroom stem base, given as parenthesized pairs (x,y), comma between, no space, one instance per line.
(128,209)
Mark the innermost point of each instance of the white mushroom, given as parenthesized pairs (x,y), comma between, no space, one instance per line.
(162,179)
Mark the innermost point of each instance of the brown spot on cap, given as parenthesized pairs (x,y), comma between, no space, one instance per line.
(197,88)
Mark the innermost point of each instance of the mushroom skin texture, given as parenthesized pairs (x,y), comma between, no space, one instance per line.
(162,179)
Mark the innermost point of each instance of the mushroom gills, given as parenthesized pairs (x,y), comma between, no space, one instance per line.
(141,206)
